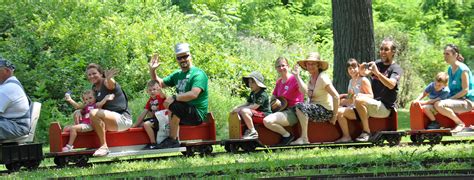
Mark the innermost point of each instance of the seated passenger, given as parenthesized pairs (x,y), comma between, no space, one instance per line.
(286,87)
(155,103)
(461,86)
(358,86)
(323,99)
(436,91)
(84,124)
(115,114)
(189,105)
(14,106)
(258,103)
(385,78)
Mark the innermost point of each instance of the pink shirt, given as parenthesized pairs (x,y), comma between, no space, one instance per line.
(85,113)
(289,90)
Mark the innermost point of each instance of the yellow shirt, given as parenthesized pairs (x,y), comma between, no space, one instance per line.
(320,94)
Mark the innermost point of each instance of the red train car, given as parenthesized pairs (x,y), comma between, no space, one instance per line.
(419,121)
(198,138)
(318,132)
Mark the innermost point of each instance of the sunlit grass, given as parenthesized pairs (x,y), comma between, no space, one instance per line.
(273,160)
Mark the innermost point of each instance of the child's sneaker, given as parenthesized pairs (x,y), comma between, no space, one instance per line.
(68,148)
(251,135)
(433,125)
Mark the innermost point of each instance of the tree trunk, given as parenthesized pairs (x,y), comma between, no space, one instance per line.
(353,31)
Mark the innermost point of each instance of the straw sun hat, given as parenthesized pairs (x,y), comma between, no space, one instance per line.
(314,57)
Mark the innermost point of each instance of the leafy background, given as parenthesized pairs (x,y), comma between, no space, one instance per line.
(51,42)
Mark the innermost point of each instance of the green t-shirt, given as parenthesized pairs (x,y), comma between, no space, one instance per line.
(261,98)
(185,81)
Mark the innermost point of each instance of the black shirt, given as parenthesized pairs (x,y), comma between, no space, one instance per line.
(118,104)
(382,92)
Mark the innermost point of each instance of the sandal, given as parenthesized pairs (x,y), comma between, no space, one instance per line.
(343,140)
(299,141)
(103,151)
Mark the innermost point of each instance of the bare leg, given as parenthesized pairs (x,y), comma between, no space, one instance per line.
(148,126)
(103,120)
(246,114)
(360,105)
(174,127)
(342,120)
(304,126)
(276,122)
(448,112)
(73,133)
(428,110)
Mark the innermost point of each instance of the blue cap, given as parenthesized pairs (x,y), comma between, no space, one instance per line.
(6,63)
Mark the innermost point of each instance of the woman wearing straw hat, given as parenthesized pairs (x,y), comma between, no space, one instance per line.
(323,99)
(286,88)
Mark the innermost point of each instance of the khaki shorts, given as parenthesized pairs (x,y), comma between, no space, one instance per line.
(86,127)
(457,105)
(290,115)
(124,121)
(429,107)
(376,109)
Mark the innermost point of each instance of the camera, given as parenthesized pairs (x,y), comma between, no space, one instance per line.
(367,65)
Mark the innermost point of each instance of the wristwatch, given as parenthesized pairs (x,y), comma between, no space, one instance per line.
(174,97)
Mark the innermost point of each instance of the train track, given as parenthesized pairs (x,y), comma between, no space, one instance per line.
(260,149)
(324,167)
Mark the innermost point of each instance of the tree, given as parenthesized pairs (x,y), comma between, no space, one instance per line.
(353,31)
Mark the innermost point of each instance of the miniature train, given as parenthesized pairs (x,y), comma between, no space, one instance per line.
(24,152)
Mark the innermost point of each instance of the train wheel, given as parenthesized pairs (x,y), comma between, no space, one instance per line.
(379,140)
(417,139)
(394,140)
(249,147)
(205,150)
(231,147)
(189,151)
(13,167)
(60,161)
(435,138)
(32,165)
(82,161)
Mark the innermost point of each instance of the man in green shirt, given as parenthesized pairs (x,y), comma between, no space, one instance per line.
(189,105)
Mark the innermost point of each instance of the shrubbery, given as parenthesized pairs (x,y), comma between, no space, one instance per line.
(52,42)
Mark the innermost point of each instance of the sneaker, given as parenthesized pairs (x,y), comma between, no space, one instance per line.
(433,125)
(168,143)
(68,148)
(150,146)
(101,152)
(458,128)
(251,135)
(286,140)
(246,133)
(364,137)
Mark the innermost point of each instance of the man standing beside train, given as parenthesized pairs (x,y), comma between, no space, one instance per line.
(189,105)
(14,106)
(385,75)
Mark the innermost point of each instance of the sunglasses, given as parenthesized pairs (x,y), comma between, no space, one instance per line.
(384,49)
(182,57)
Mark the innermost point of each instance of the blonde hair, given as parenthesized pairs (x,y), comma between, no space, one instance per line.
(442,77)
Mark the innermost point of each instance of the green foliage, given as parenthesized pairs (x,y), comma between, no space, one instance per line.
(52,42)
